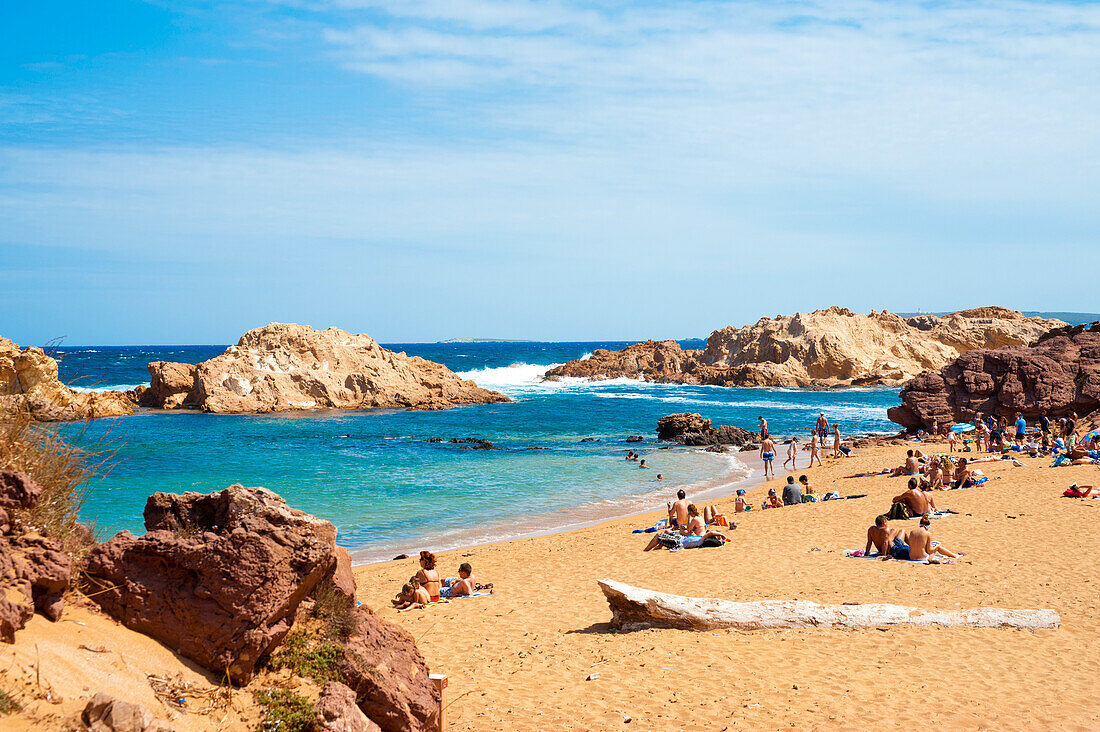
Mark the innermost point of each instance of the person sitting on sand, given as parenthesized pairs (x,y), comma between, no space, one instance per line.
(428,576)
(792,494)
(911,466)
(678,512)
(792,451)
(914,499)
(962,476)
(419,597)
(460,586)
(405,597)
(921,545)
(773,500)
(1078,491)
(934,474)
(741,505)
(807,489)
(688,536)
(881,536)
(767,454)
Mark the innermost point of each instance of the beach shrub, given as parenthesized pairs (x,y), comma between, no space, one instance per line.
(284,711)
(304,654)
(62,469)
(7,703)
(335,610)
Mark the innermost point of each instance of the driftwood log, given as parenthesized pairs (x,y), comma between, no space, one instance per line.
(635,608)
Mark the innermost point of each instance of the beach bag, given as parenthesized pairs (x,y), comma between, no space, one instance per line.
(712,541)
(898,512)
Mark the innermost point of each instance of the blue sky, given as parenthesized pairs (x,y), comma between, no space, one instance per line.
(178,172)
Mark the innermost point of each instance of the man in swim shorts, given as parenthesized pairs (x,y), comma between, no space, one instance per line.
(880,536)
(767,453)
(1021,429)
(822,426)
(460,586)
(914,499)
(763,427)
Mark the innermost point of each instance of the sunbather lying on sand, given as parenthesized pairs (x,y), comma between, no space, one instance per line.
(459,586)
(419,597)
(1078,491)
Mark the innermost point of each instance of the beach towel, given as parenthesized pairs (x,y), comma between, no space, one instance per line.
(662,524)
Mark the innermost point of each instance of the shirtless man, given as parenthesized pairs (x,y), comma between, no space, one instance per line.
(461,586)
(763,428)
(822,426)
(792,450)
(934,475)
(767,453)
(963,478)
(678,512)
(914,499)
(921,544)
(911,467)
(881,536)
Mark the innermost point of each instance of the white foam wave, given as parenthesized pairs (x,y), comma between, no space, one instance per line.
(100,389)
(526,378)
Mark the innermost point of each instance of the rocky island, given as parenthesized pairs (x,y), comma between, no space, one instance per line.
(283,366)
(824,348)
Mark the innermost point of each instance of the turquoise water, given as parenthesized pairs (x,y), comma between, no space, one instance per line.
(389,490)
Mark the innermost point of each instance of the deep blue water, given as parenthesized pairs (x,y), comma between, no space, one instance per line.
(388,490)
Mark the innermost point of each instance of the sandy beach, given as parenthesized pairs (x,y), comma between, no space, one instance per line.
(520,659)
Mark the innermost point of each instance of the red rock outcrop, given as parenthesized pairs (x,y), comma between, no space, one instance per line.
(381,665)
(34,571)
(337,711)
(831,347)
(285,367)
(29,380)
(692,429)
(217,577)
(1059,374)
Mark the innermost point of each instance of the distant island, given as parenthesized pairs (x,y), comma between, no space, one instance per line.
(483,340)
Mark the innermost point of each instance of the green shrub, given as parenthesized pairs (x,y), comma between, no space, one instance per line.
(7,703)
(306,655)
(284,711)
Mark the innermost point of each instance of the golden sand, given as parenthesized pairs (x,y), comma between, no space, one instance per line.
(520,658)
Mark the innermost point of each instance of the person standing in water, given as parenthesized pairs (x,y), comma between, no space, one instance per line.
(767,454)
(822,426)
(836,440)
(763,427)
(815,448)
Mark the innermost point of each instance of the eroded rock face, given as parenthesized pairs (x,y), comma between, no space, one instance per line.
(832,347)
(388,675)
(29,380)
(692,429)
(285,366)
(34,571)
(105,713)
(1058,375)
(337,711)
(217,577)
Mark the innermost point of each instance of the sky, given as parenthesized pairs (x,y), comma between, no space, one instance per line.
(180,172)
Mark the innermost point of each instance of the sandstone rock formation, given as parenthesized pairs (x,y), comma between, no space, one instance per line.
(285,366)
(1058,374)
(832,347)
(388,675)
(692,429)
(337,712)
(217,577)
(105,713)
(29,380)
(34,571)
(634,608)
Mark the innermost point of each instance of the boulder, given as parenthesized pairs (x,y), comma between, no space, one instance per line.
(105,713)
(1058,374)
(337,711)
(634,608)
(29,380)
(831,347)
(343,580)
(217,577)
(285,366)
(34,570)
(694,431)
(388,675)
(672,426)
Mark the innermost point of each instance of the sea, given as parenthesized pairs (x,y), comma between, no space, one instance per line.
(391,489)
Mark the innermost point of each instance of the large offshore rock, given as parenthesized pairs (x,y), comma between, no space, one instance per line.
(635,608)
(388,675)
(217,577)
(1057,375)
(694,430)
(34,570)
(831,347)
(29,380)
(286,366)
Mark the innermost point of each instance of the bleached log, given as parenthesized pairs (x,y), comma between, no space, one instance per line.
(634,608)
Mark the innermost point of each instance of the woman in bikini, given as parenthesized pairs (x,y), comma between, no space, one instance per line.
(428,576)
(688,537)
